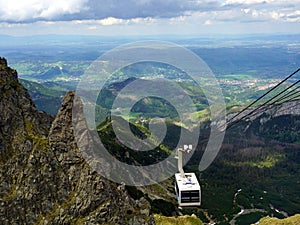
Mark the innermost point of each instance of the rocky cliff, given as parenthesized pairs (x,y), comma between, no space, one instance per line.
(43,176)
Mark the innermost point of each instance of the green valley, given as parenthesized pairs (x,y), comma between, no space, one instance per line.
(255,176)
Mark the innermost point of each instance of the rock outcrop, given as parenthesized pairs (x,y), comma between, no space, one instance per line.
(43,176)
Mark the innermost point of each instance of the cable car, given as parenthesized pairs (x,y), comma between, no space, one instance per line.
(187,187)
(188,190)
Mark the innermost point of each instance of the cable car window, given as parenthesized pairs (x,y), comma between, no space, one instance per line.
(190,196)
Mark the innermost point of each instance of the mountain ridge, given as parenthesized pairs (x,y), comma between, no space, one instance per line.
(44,178)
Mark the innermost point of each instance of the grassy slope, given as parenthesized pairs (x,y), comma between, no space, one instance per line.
(242,164)
(181,220)
(294,220)
(46,99)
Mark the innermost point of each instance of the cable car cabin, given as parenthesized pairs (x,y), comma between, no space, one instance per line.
(188,190)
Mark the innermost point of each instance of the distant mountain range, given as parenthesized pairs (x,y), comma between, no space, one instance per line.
(261,56)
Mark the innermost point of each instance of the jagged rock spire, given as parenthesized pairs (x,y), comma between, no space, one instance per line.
(43,177)
(3,61)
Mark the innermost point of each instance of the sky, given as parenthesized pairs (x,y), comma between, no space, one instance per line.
(148,17)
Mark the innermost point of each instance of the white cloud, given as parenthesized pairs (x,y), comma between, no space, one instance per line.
(116,12)
(178,19)
(293,17)
(151,15)
(276,15)
(208,22)
(247,2)
(111,21)
(92,28)
(28,10)
(147,20)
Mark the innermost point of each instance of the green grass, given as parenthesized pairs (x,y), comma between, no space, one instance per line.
(108,138)
(269,161)
(43,90)
(294,220)
(181,220)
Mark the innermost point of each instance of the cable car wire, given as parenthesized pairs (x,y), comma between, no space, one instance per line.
(265,106)
(289,94)
(264,95)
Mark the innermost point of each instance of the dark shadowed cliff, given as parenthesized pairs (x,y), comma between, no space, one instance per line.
(43,177)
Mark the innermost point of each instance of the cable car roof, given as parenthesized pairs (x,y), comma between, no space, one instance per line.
(190,182)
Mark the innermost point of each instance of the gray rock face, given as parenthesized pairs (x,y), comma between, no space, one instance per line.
(43,176)
(3,62)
